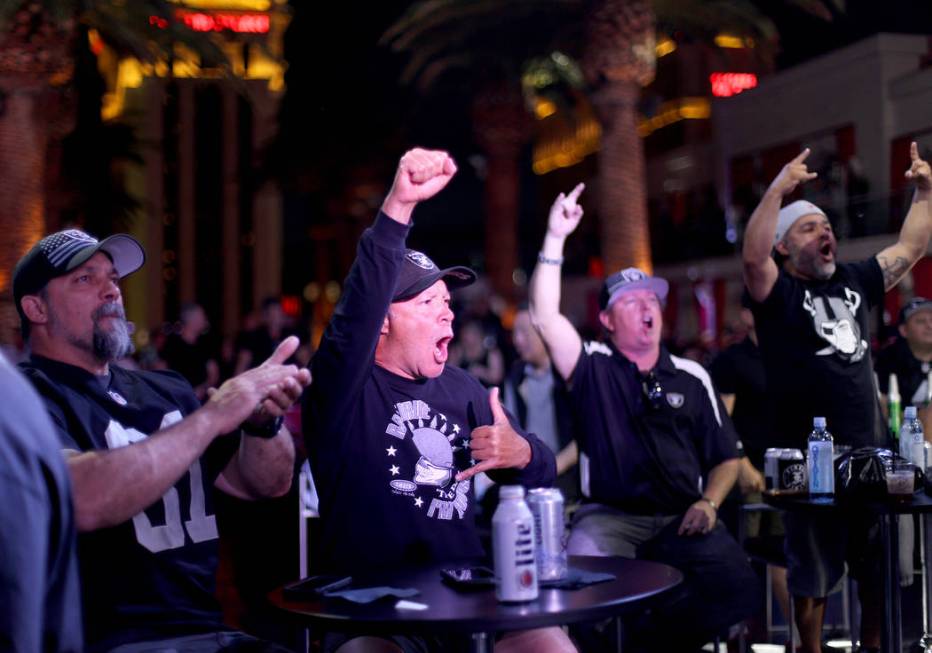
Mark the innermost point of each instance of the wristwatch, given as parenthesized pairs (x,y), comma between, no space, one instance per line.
(267,431)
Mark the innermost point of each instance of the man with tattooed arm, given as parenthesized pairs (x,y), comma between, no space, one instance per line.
(812,322)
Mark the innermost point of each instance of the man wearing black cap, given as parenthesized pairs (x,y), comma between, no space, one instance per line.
(910,356)
(657,452)
(144,456)
(394,433)
(812,315)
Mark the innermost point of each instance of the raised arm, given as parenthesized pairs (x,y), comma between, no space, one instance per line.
(760,270)
(896,260)
(559,335)
(347,349)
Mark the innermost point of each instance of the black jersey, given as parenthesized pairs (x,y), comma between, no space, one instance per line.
(814,340)
(153,576)
(385,450)
(40,601)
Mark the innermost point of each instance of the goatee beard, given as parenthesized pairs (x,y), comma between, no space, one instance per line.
(110,345)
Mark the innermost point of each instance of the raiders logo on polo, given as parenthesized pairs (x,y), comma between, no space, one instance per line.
(675,399)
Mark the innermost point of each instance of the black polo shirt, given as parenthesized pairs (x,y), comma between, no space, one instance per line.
(739,371)
(640,456)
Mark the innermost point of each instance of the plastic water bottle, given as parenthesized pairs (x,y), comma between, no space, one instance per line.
(912,439)
(821,466)
(513,547)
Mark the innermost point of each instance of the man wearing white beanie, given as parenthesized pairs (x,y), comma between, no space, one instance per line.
(812,323)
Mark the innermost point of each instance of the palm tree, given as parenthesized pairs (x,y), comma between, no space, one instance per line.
(39,44)
(614,41)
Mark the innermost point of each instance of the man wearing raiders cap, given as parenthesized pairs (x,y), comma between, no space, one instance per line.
(143,455)
(812,323)
(657,451)
(395,435)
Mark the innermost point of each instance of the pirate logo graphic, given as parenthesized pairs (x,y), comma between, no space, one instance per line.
(834,321)
(431,480)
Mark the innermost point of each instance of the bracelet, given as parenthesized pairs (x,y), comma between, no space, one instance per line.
(710,502)
(266,431)
(549,261)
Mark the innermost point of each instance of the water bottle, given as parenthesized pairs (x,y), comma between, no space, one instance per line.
(821,467)
(513,547)
(894,406)
(912,439)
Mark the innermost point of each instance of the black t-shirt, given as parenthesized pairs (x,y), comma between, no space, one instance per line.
(188,359)
(153,576)
(40,594)
(813,338)
(739,371)
(385,450)
(641,458)
(912,374)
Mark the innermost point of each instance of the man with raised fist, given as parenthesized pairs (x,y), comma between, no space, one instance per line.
(143,454)
(394,434)
(812,317)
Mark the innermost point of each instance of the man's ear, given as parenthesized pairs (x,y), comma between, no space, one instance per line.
(606,321)
(781,248)
(385,325)
(902,330)
(35,309)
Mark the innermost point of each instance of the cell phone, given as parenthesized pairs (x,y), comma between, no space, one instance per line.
(469,576)
(313,587)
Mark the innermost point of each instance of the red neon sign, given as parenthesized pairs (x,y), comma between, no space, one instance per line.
(218,22)
(728,84)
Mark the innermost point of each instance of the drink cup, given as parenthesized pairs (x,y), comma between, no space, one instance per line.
(900,480)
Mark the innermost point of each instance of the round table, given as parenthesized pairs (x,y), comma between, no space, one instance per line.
(475,611)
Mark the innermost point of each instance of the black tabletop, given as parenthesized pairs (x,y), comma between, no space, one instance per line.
(637,584)
(920,502)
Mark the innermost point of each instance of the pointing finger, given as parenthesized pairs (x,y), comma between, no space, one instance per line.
(801,156)
(475,469)
(574,194)
(913,152)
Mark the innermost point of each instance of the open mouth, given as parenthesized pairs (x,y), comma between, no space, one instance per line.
(826,251)
(648,322)
(441,349)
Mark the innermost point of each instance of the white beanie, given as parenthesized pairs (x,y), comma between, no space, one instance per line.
(790,213)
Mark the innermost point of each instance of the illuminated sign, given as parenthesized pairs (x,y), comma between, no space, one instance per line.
(728,84)
(218,22)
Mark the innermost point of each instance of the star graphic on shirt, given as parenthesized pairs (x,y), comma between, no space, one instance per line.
(418,502)
(456,428)
(391,451)
(395,470)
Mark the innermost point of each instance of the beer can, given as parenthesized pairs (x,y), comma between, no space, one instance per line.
(546,505)
(513,547)
(770,468)
(791,470)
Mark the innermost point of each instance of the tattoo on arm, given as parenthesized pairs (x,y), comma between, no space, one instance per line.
(893,271)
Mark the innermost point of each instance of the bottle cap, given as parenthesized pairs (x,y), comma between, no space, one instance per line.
(511,492)
(910,412)
(818,422)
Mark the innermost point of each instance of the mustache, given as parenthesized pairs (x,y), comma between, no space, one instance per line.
(113,309)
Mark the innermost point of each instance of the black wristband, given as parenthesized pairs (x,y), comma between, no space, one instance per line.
(266,431)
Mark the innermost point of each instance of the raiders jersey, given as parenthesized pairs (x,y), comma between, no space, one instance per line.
(153,576)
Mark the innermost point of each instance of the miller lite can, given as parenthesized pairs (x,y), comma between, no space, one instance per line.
(546,505)
(513,547)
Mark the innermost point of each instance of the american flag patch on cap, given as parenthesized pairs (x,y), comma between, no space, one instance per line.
(60,247)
